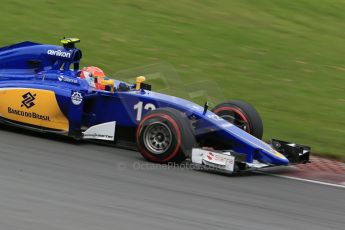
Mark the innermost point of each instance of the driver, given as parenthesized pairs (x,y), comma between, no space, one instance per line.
(97,79)
(94,76)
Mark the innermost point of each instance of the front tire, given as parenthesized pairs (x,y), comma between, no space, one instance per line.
(241,114)
(165,135)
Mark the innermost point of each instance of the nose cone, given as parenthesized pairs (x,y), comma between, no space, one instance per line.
(272,157)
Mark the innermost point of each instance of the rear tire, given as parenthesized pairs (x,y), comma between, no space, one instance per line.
(241,114)
(165,135)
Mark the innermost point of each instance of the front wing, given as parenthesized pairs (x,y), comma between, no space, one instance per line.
(232,162)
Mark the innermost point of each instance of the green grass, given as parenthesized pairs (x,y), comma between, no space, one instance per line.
(286,57)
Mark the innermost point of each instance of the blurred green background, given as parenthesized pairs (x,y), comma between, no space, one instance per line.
(286,57)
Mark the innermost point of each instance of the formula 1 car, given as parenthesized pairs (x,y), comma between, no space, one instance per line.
(41,89)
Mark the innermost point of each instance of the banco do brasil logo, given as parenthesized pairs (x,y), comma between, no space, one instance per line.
(28,101)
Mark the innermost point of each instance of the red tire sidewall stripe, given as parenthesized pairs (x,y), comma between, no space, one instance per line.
(178,138)
(238,111)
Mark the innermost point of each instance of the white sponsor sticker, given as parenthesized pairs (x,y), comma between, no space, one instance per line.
(59,53)
(77,98)
(226,125)
(67,79)
(216,160)
(104,131)
(215,117)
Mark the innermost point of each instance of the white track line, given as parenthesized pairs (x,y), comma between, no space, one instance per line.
(305,180)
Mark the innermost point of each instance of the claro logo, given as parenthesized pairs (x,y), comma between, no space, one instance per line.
(28,101)
(59,53)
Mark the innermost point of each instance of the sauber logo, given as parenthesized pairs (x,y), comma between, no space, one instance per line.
(76,98)
(29,99)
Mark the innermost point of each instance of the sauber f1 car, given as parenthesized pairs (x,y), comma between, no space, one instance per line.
(42,89)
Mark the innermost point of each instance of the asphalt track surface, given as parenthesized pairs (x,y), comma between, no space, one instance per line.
(55,183)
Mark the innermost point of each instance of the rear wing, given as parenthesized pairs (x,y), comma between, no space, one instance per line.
(19,45)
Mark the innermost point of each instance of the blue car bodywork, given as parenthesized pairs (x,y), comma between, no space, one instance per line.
(30,71)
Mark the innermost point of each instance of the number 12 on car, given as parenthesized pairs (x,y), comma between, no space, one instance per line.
(139,108)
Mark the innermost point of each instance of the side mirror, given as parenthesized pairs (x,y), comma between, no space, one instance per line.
(138,81)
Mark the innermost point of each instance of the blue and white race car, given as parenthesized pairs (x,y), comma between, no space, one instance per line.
(42,88)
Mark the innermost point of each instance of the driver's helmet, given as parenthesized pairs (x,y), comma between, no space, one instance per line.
(93,75)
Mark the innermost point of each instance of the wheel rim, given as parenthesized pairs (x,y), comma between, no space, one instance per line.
(235,117)
(157,138)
